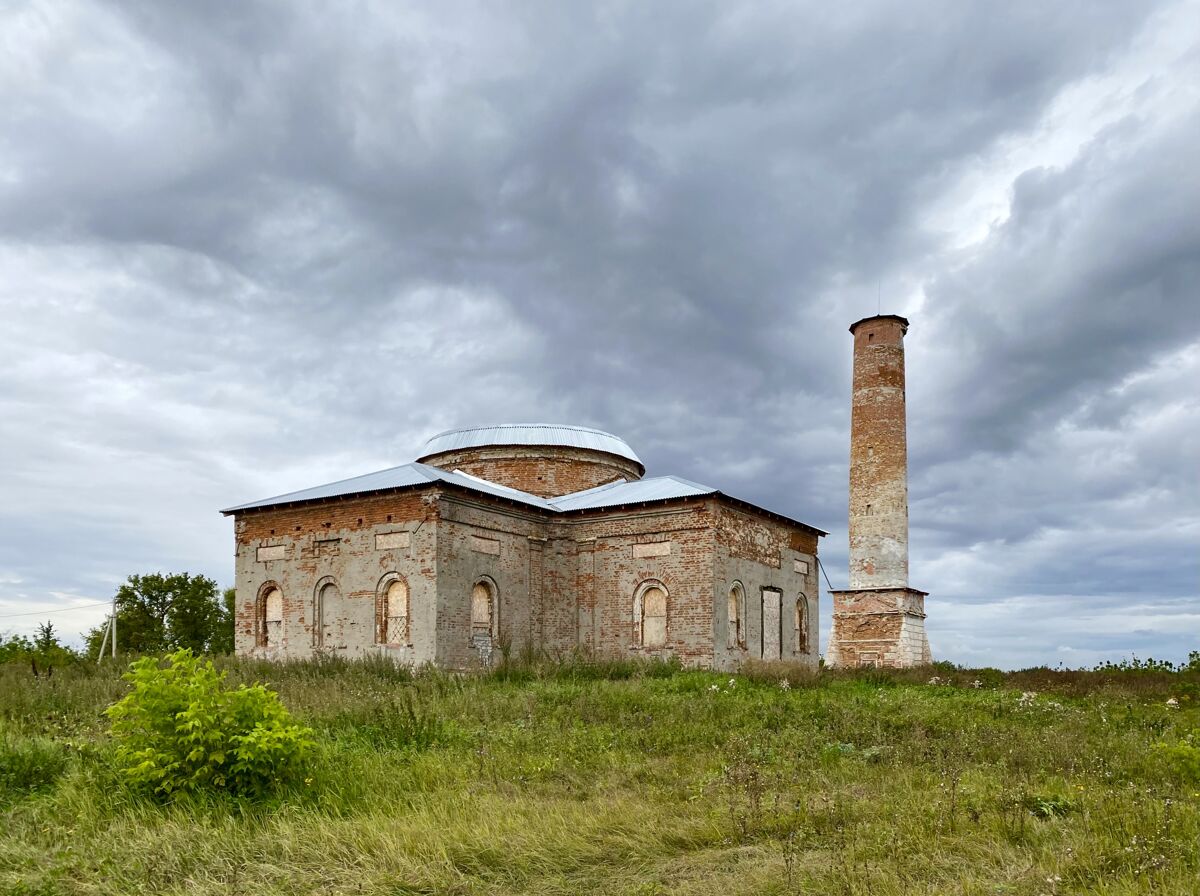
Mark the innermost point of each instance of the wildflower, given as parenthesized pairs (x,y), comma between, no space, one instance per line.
(1027,698)
(732,682)
(1172,703)
(714,687)
(935,680)
(977,684)
(784,684)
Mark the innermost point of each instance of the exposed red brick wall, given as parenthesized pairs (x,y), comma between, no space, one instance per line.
(365,512)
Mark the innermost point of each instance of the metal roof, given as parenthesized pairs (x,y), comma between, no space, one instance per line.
(660,488)
(529,434)
(393,478)
(615,494)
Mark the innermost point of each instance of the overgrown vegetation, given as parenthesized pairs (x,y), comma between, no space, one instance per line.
(616,778)
(182,730)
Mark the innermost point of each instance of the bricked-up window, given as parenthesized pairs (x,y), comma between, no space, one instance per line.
(326,606)
(483,610)
(650,616)
(272,629)
(801,626)
(737,616)
(396,621)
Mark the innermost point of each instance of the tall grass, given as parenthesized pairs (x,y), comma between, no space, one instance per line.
(560,775)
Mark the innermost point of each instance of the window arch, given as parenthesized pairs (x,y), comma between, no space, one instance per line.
(326,602)
(737,616)
(483,609)
(801,624)
(392,607)
(650,615)
(269,616)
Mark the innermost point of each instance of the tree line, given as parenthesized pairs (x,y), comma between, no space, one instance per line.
(156,613)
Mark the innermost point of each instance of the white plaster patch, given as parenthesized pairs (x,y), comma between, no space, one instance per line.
(271,552)
(387,540)
(800,566)
(654,549)
(485,545)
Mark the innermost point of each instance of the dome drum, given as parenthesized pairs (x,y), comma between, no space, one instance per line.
(542,459)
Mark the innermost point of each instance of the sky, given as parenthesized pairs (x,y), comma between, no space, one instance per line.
(247,248)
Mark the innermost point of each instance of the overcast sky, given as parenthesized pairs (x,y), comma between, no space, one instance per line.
(249,248)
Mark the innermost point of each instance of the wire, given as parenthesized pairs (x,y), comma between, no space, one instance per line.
(103,603)
(821,566)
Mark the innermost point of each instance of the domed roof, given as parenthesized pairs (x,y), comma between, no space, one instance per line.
(529,434)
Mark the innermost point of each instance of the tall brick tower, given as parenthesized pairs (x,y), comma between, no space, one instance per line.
(878,620)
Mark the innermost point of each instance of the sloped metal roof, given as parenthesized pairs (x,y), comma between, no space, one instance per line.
(660,488)
(393,478)
(615,494)
(529,434)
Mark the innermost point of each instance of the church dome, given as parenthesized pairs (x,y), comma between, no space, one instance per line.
(544,459)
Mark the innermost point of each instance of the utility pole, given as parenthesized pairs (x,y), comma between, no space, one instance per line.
(104,640)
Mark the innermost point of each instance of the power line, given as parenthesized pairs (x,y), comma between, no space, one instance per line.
(103,603)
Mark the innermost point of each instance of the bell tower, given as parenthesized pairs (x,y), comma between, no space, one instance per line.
(879,620)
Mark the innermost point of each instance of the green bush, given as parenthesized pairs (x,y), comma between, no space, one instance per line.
(181,729)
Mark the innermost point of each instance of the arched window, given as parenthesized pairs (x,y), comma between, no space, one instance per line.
(801,626)
(397,613)
(737,616)
(391,611)
(270,616)
(483,610)
(650,615)
(326,607)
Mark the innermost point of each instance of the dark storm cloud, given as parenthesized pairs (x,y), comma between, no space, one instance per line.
(250,247)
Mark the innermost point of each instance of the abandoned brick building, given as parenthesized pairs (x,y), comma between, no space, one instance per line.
(503,538)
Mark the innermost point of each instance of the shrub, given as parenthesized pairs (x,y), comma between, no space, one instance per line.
(181,729)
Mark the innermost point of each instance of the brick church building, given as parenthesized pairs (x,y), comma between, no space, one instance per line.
(514,537)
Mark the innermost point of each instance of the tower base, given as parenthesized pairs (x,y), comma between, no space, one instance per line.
(878,627)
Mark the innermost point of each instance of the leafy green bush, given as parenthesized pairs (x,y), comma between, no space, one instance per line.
(182,729)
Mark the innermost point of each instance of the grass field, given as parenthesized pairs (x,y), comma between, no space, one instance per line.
(623,779)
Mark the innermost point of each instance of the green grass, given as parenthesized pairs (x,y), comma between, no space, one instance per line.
(617,778)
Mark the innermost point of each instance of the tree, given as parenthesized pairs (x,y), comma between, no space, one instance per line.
(45,640)
(223,641)
(157,613)
(44,652)
(15,648)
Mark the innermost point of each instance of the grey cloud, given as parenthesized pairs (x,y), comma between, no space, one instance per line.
(252,247)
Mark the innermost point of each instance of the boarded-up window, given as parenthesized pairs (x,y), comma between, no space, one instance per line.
(481,610)
(801,624)
(273,618)
(737,616)
(654,617)
(396,619)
